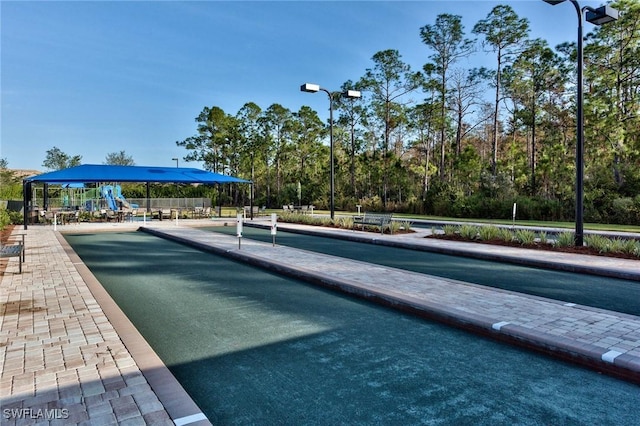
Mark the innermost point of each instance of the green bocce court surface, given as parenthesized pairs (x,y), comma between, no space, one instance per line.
(252,347)
(590,290)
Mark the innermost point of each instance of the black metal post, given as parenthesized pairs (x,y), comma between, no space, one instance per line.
(312,88)
(332,168)
(579,236)
(599,16)
(332,207)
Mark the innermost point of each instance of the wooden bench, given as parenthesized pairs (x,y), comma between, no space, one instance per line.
(13,250)
(381,220)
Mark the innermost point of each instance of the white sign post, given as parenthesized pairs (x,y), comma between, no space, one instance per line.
(274,227)
(514,215)
(239,229)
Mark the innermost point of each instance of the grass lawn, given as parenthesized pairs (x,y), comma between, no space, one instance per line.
(540,223)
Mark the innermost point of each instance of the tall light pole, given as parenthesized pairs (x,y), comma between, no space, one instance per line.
(599,16)
(351,94)
(177,188)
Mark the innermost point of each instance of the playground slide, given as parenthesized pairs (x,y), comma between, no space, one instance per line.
(113,196)
(123,200)
(107,193)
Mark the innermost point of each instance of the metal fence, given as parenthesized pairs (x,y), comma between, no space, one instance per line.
(171,203)
(154,203)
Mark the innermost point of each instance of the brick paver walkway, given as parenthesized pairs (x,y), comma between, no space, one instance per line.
(62,360)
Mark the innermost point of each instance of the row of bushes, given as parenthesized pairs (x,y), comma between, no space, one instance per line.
(528,237)
(343,222)
(8,217)
(625,211)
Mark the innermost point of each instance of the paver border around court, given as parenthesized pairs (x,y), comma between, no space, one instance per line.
(69,348)
(626,269)
(172,395)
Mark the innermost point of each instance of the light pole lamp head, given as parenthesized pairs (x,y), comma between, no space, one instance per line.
(351,94)
(553,2)
(602,15)
(310,88)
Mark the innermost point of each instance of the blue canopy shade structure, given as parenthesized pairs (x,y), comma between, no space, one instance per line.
(105,173)
(87,173)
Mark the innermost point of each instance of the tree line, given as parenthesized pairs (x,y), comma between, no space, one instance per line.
(432,141)
(448,140)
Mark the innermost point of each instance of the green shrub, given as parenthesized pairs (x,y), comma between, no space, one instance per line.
(345,222)
(405,224)
(632,247)
(543,237)
(505,234)
(597,242)
(399,225)
(372,204)
(488,233)
(450,230)
(525,236)
(394,226)
(16,218)
(326,221)
(469,232)
(616,245)
(624,211)
(565,239)
(5,219)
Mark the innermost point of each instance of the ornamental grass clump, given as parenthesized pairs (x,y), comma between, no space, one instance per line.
(345,222)
(292,217)
(326,221)
(597,242)
(632,247)
(525,237)
(616,245)
(469,232)
(505,235)
(405,225)
(488,233)
(394,226)
(543,238)
(565,239)
(450,230)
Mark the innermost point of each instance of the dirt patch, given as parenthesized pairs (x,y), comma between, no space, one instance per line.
(537,246)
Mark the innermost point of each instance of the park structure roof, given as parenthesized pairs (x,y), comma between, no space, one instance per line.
(107,173)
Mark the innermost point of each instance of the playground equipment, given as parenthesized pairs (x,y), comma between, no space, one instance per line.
(109,196)
(114,198)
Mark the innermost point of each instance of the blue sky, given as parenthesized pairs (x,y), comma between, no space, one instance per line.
(93,78)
